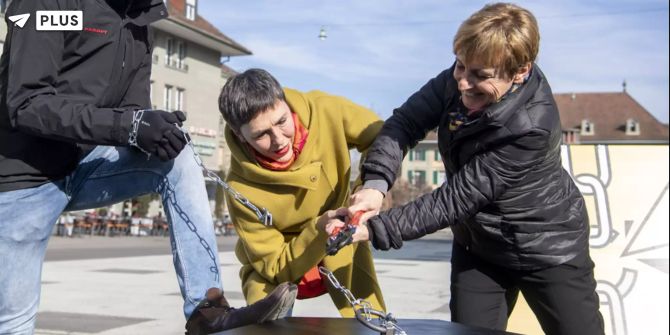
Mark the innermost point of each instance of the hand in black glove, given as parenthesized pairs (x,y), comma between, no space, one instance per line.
(156,132)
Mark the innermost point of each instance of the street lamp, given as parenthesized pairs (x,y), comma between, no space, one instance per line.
(322,33)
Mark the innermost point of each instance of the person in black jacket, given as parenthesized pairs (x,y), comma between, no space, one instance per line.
(76,132)
(518,220)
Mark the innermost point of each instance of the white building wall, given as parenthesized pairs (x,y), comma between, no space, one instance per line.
(201,81)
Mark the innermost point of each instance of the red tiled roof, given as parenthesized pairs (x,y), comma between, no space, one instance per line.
(177,10)
(608,112)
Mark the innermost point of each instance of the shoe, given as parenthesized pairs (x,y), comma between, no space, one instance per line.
(214,314)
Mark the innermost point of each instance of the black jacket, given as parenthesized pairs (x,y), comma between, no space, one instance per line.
(60,90)
(507,197)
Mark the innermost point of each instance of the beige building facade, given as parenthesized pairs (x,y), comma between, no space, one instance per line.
(187,76)
(422,165)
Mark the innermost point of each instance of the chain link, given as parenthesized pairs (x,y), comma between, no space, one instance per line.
(166,189)
(388,322)
(336,284)
(169,194)
(132,136)
(263,215)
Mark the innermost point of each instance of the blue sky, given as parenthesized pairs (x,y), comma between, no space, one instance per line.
(380,52)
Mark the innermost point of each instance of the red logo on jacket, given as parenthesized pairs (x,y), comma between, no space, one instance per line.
(96,30)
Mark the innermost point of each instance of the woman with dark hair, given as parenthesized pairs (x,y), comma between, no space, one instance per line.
(290,155)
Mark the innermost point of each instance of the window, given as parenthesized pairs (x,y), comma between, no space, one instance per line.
(419,178)
(416,177)
(439,177)
(419,154)
(587,127)
(632,127)
(437,157)
(179,100)
(570,136)
(190,9)
(181,54)
(169,50)
(175,54)
(167,98)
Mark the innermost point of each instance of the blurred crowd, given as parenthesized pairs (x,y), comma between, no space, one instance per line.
(71,224)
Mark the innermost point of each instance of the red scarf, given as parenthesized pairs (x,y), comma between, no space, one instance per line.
(299,140)
(311,284)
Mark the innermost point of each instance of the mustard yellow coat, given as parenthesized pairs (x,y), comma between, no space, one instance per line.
(316,182)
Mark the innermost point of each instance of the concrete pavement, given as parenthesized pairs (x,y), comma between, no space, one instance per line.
(126,285)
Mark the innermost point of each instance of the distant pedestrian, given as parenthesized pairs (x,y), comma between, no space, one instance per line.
(67,222)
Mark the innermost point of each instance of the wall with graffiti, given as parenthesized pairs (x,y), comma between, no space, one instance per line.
(626,192)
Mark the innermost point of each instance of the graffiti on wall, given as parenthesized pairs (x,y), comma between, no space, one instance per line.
(626,191)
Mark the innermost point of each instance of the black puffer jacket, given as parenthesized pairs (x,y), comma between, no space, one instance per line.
(506,198)
(62,89)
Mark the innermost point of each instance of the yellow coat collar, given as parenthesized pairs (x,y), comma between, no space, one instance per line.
(303,171)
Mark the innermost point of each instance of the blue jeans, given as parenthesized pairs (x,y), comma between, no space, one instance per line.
(106,176)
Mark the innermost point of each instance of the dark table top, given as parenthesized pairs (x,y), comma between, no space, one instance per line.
(347,326)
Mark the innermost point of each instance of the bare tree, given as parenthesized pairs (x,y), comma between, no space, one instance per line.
(220,199)
(404,192)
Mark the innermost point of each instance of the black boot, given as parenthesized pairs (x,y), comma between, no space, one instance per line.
(214,314)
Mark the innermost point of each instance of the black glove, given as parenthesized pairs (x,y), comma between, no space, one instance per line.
(157,132)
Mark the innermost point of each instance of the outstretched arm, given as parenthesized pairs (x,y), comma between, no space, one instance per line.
(408,125)
(477,184)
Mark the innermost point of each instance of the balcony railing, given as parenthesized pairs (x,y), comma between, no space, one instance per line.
(176,64)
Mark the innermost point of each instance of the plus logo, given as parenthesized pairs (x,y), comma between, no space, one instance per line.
(52,20)
(59,20)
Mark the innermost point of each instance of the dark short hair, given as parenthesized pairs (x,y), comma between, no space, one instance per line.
(247,94)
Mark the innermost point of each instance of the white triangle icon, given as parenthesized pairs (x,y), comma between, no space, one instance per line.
(20,19)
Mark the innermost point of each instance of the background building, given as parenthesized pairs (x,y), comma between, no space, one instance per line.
(188,74)
(423,164)
(607,118)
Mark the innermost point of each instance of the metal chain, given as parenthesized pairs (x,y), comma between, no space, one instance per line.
(388,322)
(165,188)
(169,194)
(263,215)
(132,136)
(347,294)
